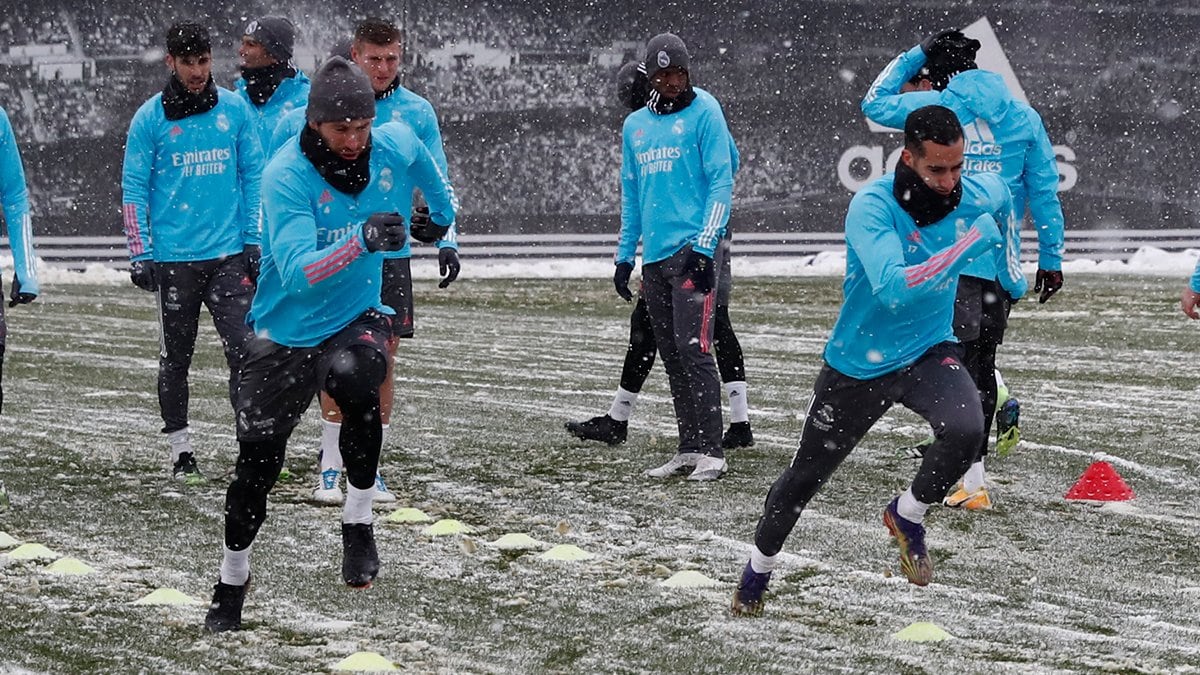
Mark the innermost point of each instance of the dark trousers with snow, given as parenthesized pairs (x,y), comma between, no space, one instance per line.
(224,287)
(981,309)
(936,387)
(278,383)
(682,322)
(639,357)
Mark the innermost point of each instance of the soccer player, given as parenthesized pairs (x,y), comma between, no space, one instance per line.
(676,186)
(632,90)
(1004,136)
(330,204)
(191,194)
(908,236)
(270,83)
(376,48)
(14,199)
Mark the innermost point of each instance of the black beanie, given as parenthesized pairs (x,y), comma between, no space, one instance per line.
(632,87)
(342,48)
(665,51)
(276,34)
(188,39)
(340,91)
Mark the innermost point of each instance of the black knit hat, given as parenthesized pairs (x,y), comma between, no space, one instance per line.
(666,51)
(632,85)
(340,91)
(276,34)
(188,39)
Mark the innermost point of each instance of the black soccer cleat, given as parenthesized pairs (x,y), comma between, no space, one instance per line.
(185,470)
(225,612)
(602,428)
(360,560)
(737,436)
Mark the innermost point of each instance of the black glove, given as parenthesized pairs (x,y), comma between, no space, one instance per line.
(17,297)
(700,270)
(621,280)
(423,229)
(384,232)
(1048,282)
(931,44)
(253,254)
(448,266)
(144,275)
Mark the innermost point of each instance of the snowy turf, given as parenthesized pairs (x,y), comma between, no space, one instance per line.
(1104,371)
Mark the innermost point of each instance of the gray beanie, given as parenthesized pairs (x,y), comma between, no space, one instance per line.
(276,34)
(665,51)
(340,91)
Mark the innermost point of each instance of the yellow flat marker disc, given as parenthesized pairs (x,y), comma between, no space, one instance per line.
(922,631)
(365,662)
(568,552)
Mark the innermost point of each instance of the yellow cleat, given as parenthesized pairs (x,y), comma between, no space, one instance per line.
(978,500)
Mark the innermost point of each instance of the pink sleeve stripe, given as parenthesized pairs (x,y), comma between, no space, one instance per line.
(333,263)
(938,263)
(132,229)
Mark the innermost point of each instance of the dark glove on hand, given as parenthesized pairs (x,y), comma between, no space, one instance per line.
(17,297)
(144,275)
(931,44)
(384,232)
(621,280)
(423,229)
(1048,282)
(699,269)
(448,266)
(253,254)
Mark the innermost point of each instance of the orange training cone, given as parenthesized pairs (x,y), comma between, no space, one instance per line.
(1100,483)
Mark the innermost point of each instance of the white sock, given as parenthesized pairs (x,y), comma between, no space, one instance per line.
(739,409)
(331,453)
(622,405)
(384,436)
(999,379)
(763,564)
(910,509)
(180,443)
(973,479)
(235,567)
(358,505)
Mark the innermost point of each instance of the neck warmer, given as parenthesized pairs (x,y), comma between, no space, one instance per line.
(179,103)
(261,83)
(922,202)
(391,89)
(348,176)
(665,106)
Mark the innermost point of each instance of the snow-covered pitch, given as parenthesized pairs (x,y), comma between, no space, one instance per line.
(1106,370)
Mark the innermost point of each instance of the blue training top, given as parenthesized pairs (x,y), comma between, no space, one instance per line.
(14,196)
(317,275)
(1003,135)
(901,278)
(191,186)
(676,181)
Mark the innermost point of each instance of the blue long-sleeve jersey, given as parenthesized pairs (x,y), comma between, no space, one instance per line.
(191,186)
(1003,135)
(14,197)
(401,106)
(292,93)
(901,279)
(676,181)
(316,274)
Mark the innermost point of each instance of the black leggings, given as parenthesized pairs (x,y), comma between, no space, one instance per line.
(843,409)
(639,357)
(353,381)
